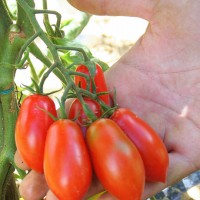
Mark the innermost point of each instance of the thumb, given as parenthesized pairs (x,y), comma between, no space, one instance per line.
(137,8)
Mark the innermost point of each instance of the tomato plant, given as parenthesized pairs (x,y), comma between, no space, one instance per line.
(67,164)
(147,141)
(98,79)
(116,160)
(76,111)
(31,128)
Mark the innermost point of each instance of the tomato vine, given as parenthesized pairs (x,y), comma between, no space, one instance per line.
(17,37)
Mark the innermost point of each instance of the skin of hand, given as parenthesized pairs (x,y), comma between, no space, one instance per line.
(163,73)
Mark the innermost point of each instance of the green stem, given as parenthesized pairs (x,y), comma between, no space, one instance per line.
(12,190)
(35,50)
(45,76)
(8,104)
(87,77)
(4,15)
(21,63)
(31,15)
(73,49)
(33,71)
(44,59)
(8,118)
(44,3)
(5,177)
(86,93)
(1,139)
(23,21)
(52,48)
(89,113)
(10,111)
(58,15)
(26,44)
(63,99)
(46,20)
(8,11)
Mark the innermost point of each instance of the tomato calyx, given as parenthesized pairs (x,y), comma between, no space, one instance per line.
(89,112)
(38,89)
(96,83)
(109,111)
(48,113)
(79,113)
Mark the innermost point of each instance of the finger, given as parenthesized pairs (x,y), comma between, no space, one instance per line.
(34,186)
(138,8)
(20,162)
(51,196)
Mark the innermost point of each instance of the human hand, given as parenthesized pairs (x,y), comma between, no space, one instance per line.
(158,79)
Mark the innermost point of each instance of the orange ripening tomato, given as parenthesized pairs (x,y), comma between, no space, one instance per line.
(147,141)
(67,165)
(116,161)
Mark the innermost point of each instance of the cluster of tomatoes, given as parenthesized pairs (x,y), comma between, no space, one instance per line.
(122,150)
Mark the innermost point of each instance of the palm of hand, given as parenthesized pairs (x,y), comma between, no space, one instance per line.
(160,84)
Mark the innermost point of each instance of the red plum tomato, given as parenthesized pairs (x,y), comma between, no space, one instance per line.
(99,80)
(147,141)
(116,161)
(31,128)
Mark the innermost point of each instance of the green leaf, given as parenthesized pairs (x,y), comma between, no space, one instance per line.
(20,174)
(96,196)
(91,67)
(66,22)
(71,43)
(72,58)
(103,65)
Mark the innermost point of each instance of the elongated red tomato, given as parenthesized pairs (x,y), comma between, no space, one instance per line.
(31,129)
(99,80)
(116,161)
(76,110)
(147,141)
(67,164)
